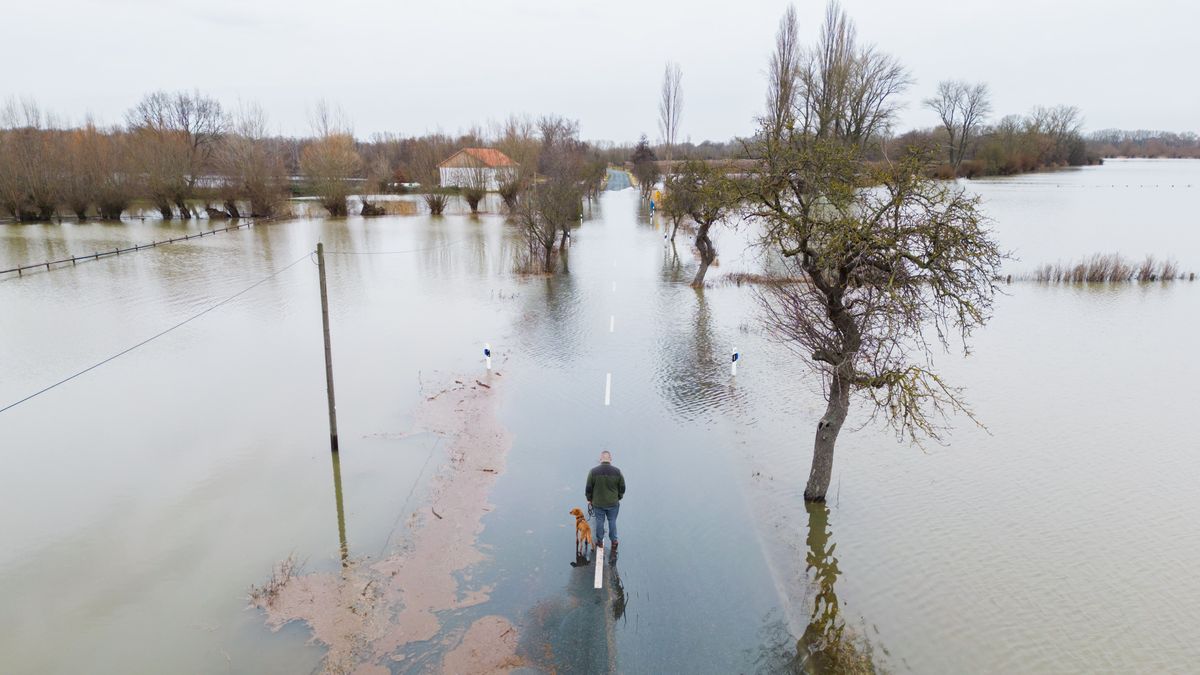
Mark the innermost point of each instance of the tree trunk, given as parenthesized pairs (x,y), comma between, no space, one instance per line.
(232,209)
(548,266)
(707,254)
(164,208)
(827,433)
(184,211)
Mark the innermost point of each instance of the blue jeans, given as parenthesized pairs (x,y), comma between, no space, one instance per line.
(600,514)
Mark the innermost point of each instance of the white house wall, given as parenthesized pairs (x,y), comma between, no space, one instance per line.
(462,177)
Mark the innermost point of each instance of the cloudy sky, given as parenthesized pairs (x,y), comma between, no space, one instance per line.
(410,67)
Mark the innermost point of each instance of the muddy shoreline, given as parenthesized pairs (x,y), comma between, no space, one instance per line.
(367,613)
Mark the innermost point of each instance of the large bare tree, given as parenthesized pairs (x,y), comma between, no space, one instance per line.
(427,153)
(703,193)
(548,208)
(176,136)
(783,73)
(31,161)
(962,109)
(645,167)
(331,160)
(844,89)
(517,137)
(670,108)
(83,168)
(251,165)
(891,264)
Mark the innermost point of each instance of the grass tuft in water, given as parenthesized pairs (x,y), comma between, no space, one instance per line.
(265,595)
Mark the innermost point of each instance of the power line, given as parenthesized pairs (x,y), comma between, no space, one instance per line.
(162,333)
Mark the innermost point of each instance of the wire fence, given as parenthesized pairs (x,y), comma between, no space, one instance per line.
(76,259)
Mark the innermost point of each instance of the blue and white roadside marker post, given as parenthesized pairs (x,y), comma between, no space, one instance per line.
(487,355)
(734,360)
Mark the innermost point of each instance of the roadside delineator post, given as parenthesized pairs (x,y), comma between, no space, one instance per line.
(599,580)
(333,434)
(733,363)
(487,355)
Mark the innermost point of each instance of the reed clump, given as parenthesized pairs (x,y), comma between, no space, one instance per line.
(1110,268)
(751,279)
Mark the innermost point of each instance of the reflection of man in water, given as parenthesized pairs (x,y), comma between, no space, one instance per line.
(605,488)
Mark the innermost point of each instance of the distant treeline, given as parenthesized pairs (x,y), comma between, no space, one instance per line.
(184,155)
(1046,138)
(1144,143)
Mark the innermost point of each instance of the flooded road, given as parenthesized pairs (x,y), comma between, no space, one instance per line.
(143,498)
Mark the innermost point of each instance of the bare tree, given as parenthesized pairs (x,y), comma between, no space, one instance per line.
(548,208)
(252,167)
(676,200)
(177,135)
(962,109)
(32,161)
(518,139)
(561,160)
(705,194)
(82,168)
(783,72)
(427,153)
(645,167)
(844,90)
(330,161)
(670,108)
(878,266)
(118,180)
(476,184)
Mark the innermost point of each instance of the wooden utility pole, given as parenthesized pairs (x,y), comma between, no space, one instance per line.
(333,440)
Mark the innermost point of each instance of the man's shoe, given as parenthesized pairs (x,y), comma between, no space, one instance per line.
(614,546)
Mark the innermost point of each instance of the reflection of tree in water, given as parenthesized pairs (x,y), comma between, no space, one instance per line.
(827,644)
(691,373)
(550,321)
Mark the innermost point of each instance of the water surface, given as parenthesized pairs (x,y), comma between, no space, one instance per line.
(143,498)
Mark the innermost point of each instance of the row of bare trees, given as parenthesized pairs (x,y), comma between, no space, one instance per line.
(183,153)
(173,150)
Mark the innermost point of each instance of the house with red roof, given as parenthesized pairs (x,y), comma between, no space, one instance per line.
(486,167)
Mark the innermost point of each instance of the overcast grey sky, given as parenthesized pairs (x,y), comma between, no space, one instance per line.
(410,67)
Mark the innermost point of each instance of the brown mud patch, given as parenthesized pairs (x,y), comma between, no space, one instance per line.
(489,646)
(366,613)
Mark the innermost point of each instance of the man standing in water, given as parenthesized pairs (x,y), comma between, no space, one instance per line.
(605,488)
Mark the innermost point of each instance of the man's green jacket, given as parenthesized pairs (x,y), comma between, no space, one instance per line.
(605,486)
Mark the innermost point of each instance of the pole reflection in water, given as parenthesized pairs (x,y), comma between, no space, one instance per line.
(341,512)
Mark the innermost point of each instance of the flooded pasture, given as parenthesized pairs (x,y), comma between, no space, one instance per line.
(143,498)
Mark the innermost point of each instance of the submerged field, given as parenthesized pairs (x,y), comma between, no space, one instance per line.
(144,498)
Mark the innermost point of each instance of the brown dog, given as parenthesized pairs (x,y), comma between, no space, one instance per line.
(583,533)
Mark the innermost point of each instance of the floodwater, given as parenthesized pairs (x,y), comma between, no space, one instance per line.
(141,499)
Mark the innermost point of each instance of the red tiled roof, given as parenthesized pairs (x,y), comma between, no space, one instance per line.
(489,157)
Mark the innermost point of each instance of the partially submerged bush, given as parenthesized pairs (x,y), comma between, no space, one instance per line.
(1110,268)
(265,595)
(436,201)
(474,195)
(510,191)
